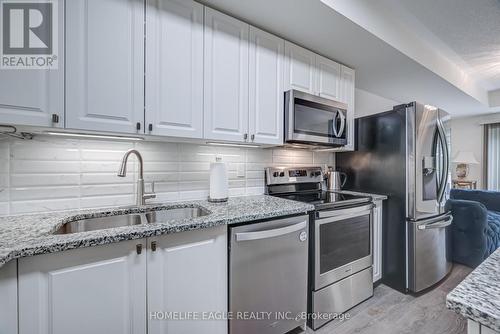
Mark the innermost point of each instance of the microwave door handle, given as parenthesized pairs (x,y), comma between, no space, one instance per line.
(342,124)
(340,130)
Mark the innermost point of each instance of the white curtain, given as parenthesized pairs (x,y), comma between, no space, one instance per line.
(494,157)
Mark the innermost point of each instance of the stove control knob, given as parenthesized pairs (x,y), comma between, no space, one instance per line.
(282,174)
(276,174)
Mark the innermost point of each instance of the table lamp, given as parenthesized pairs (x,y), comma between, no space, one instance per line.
(463,159)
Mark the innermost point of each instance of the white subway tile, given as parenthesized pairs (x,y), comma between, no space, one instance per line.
(4,208)
(106,178)
(34,180)
(18,207)
(39,167)
(107,189)
(42,193)
(107,201)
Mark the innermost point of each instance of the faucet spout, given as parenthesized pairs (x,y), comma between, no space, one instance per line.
(141,196)
(122,172)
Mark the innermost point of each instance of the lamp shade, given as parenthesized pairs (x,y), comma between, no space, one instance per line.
(465,157)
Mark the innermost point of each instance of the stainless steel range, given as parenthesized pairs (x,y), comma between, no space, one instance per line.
(340,248)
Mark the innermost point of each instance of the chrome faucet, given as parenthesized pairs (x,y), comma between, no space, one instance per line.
(141,196)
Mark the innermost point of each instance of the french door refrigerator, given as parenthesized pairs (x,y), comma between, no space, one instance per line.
(405,154)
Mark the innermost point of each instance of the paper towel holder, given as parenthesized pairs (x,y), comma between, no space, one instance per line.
(218,159)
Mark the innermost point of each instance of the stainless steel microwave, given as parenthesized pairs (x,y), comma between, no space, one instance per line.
(313,120)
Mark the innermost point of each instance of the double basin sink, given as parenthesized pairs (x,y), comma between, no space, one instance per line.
(131,219)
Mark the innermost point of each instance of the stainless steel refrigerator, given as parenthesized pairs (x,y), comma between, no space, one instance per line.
(405,154)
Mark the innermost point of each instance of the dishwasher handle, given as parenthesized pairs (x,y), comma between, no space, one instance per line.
(247,236)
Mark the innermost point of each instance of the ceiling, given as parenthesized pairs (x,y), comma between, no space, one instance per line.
(464,30)
(390,57)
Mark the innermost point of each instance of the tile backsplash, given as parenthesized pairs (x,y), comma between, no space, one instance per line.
(47,174)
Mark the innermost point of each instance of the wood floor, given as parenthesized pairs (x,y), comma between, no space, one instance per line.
(391,312)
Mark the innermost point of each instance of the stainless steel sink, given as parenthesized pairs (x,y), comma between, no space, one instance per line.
(101,223)
(151,217)
(161,216)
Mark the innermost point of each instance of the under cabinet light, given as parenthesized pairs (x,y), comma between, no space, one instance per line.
(93,136)
(214,143)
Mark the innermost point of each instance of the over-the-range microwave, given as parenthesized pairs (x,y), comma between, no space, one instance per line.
(313,120)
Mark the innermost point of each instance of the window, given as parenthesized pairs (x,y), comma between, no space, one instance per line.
(492,140)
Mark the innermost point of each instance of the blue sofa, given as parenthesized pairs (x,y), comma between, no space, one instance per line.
(476,225)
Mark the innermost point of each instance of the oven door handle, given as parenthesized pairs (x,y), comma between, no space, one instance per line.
(247,236)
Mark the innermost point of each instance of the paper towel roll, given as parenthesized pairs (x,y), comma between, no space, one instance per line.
(218,181)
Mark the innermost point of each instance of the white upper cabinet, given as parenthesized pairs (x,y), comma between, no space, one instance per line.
(174,68)
(89,290)
(300,69)
(105,65)
(226,77)
(187,272)
(347,96)
(266,88)
(32,97)
(328,78)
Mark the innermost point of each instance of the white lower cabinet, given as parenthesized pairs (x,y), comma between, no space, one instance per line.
(8,298)
(187,272)
(377,240)
(122,288)
(89,290)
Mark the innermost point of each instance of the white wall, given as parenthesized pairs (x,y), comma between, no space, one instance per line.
(49,174)
(368,103)
(467,134)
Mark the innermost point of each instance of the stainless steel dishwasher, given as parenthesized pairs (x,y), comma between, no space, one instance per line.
(268,276)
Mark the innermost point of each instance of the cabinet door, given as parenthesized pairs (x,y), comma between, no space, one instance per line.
(266,88)
(105,65)
(347,96)
(8,301)
(31,97)
(377,241)
(188,273)
(174,68)
(226,77)
(300,69)
(328,78)
(89,290)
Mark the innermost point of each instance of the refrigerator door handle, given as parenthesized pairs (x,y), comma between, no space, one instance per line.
(439,224)
(446,160)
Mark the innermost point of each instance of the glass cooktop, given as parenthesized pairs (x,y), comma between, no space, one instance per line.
(326,199)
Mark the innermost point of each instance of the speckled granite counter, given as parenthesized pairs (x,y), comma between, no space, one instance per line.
(28,235)
(478,296)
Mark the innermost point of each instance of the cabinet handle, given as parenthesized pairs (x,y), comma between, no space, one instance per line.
(252,137)
(138,248)
(153,246)
(150,127)
(138,126)
(55,118)
(245,136)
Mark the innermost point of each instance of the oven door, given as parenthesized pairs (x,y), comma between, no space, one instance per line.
(314,120)
(343,243)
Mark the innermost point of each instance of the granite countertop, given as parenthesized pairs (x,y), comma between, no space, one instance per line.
(375,197)
(28,235)
(477,297)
